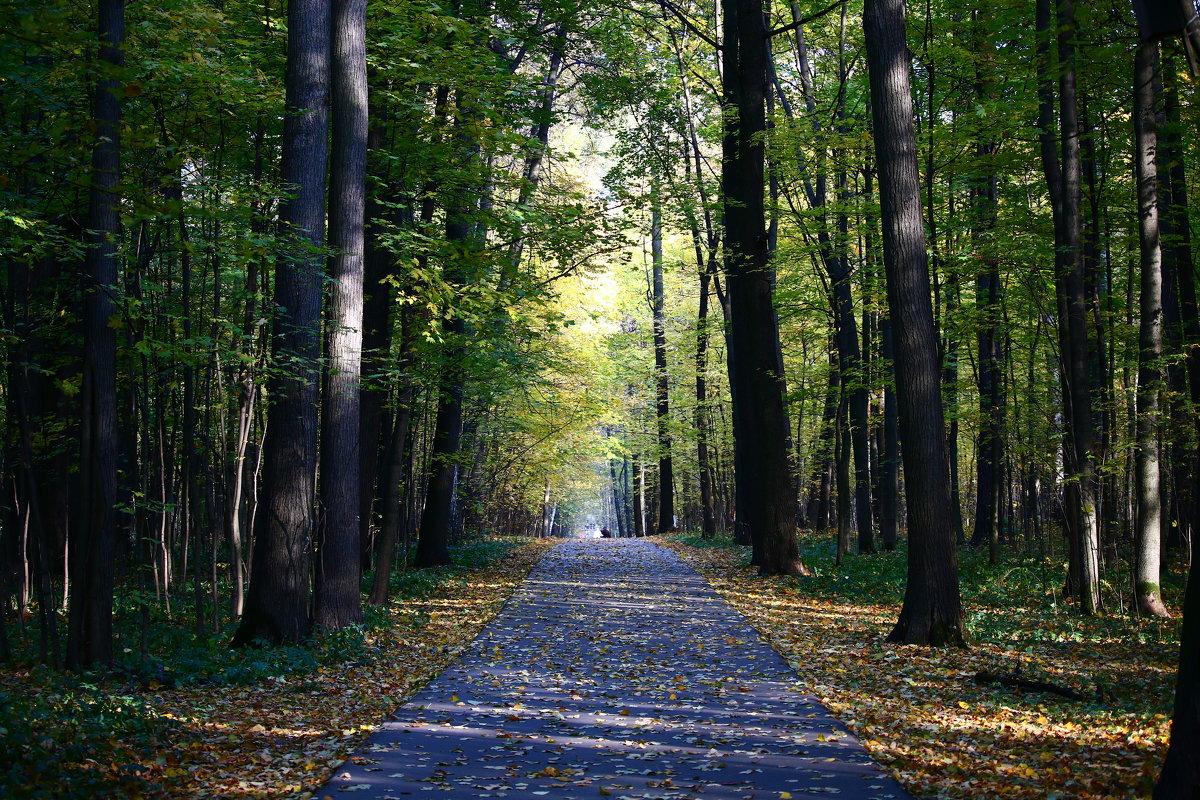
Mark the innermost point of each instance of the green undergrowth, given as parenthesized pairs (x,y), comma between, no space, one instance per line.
(51,721)
(1017,601)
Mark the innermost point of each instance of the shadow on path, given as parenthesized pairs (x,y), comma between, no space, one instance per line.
(615,670)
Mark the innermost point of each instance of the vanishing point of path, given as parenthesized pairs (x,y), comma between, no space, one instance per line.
(614,670)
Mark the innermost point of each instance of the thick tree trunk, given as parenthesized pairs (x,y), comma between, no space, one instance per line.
(932,612)
(94,536)
(336,601)
(276,607)
(1180,776)
(1181,327)
(1148,533)
(766,503)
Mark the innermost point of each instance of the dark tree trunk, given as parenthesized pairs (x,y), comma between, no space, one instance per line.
(337,601)
(395,464)
(276,607)
(1148,532)
(1077,388)
(932,612)
(93,538)
(766,503)
(841,468)
(889,467)
(639,496)
(1180,776)
(984,198)
(376,359)
(434,535)
(821,482)
(662,406)
(1180,323)
(702,458)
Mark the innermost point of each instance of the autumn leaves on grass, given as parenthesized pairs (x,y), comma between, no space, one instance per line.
(923,713)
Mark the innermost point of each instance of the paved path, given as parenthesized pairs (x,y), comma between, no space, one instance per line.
(615,670)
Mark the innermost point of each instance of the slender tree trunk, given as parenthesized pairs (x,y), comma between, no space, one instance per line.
(434,535)
(1075,372)
(277,601)
(889,468)
(639,496)
(94,537)
(932,611)
(336,601)
(709,523)
(662,411)
(1148,535)
(989,457)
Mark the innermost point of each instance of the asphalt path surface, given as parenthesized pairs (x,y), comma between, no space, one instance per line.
(614,671)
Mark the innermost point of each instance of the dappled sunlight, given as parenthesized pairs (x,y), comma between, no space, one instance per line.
(921,712)
(617,670)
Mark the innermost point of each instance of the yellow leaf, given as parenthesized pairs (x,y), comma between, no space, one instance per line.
(962,704)
(785,796)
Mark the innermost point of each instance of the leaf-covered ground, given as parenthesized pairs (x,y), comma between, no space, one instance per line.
(267,724)
(921,712)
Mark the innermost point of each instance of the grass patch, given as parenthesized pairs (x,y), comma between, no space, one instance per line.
(199,718)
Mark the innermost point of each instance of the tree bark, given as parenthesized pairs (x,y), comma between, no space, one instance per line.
(932,611)
(94,537)
(1148,533)
(662,406)
(766,502)
(434,535)
(1075,369)
(276,607)
(1180,776)
(337,602)
(989,457)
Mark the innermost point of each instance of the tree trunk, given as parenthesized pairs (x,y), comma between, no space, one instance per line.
(1180,776)
(662,407)
(766,503)
(276,607)
(94,537)
(932,611)
(1148,533)
(434,535)
(889,467)
(1078,384)
(337,601)
(989,456)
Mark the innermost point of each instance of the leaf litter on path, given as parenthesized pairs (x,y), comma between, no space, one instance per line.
(615,671)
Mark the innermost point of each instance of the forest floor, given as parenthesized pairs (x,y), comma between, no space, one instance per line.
(205,721)
(922,713)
